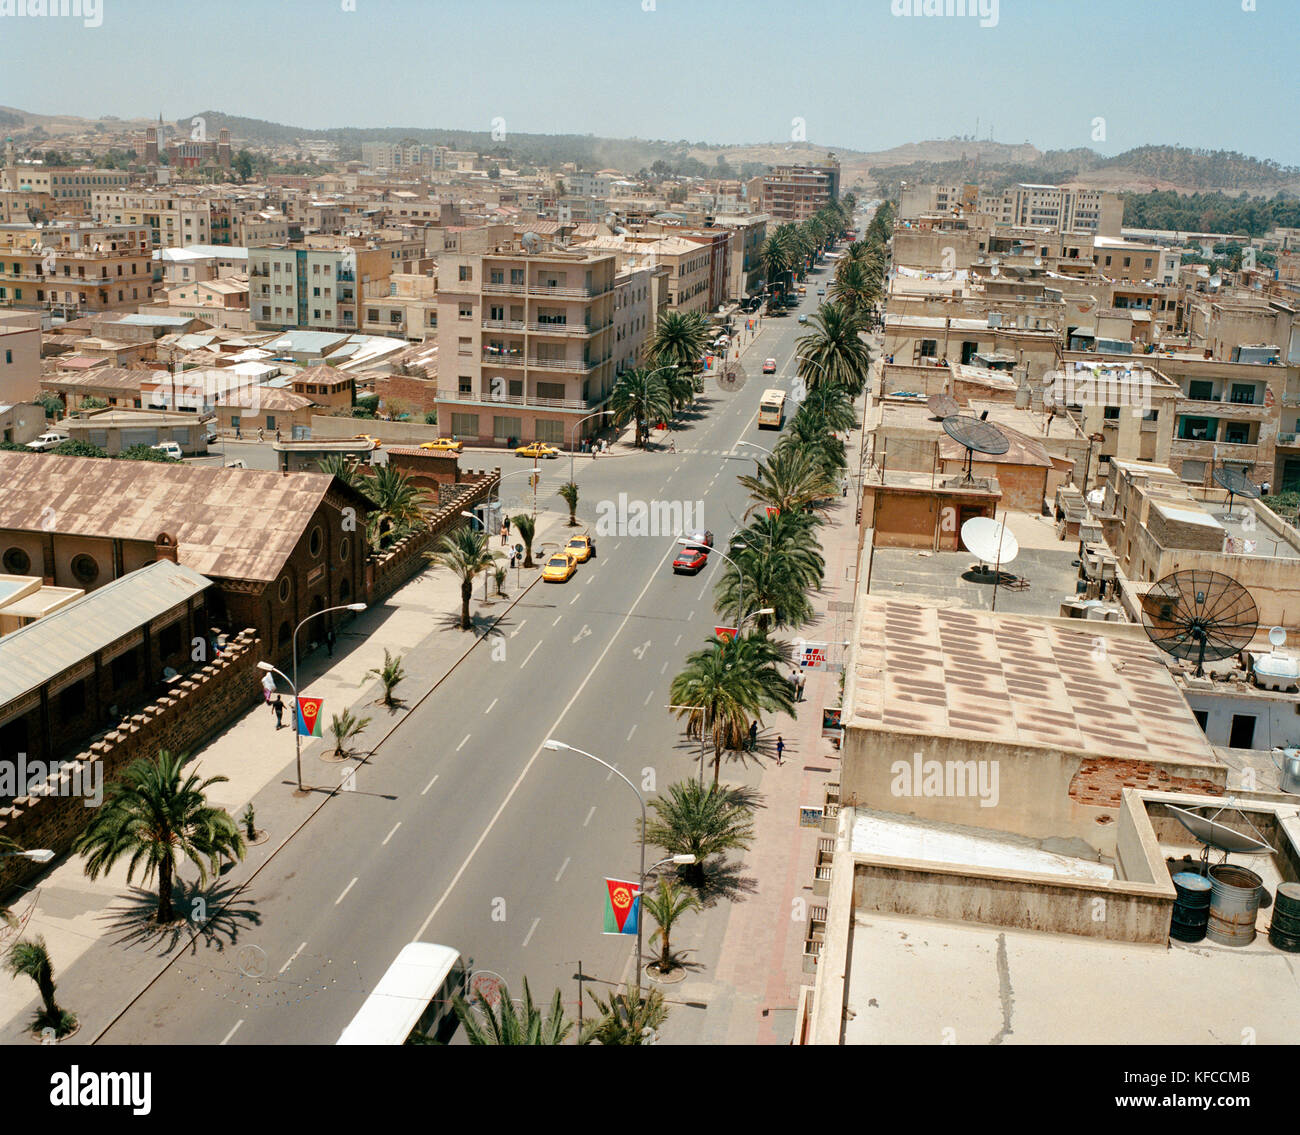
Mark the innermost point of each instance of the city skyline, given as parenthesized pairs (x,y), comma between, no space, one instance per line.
(468,89)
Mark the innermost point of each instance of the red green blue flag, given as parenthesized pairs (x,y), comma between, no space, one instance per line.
(622,906)
(309,716)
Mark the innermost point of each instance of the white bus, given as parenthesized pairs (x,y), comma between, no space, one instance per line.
(413,1001)
(771,410)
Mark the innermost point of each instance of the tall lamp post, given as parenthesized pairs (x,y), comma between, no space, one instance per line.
(740,591)
(573,440)
(297,737)
(36,855)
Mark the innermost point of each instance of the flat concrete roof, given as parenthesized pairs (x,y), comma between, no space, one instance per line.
(992,677)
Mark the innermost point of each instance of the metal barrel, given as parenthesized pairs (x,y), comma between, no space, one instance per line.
(1284,930)
(1234,905)
(1191,911)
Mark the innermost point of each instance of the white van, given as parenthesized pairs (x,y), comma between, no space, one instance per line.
(49,440)
(171,448)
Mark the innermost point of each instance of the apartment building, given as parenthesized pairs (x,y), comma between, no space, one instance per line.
(397,155)
(73,268)
(745,269)
(406,305)
(634,316)
(1060,208)
(525,341)
(599,185)
(175,219)
(312,288)
(20,356)
(266,226)
(690,265)
(797,192)
(15,203)
(72,188)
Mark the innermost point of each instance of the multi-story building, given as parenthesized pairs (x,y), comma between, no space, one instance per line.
(72,268)
(175,219)
(634,316)
(525,341)
(18,204)
(71,188)
(312,288)
(797,192)
(20,356)
(745,270)
(690,265)
(397,155)
(1058,208)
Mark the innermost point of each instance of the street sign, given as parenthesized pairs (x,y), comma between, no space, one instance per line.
(811,815)
(832,722)
(812,656)
(725,633)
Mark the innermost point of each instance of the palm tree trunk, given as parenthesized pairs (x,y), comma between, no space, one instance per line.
(165,913)
(46,986)
(466,590)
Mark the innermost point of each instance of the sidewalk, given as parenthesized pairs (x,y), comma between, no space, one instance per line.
(750,950)
(73,914)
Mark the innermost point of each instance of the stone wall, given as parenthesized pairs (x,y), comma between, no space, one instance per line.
(183,718)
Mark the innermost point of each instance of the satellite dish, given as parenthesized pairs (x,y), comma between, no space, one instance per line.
(943,405)
(531,242)
(993,271)
(1237,484)
(1216,280)
(977,436)
(1277,637)
(1038,261)
(1199,614)
(990,540)
(1218,836)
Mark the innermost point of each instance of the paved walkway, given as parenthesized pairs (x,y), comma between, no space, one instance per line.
(75,915)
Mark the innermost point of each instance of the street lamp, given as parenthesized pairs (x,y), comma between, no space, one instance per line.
(572,439)
(297,743)
(740,591)
(559,746)
(36,855)
(297,708)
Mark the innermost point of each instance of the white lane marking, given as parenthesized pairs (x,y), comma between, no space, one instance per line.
(679,465)
(463,742)
(236,1028)
(690,616)
(630,732)
(431,783)
(557,619)
(293,957)
(677,640)
(618,545)
(589,815)
(494,702)
(651,579)
(648,697)
(575,599)
(702,591)
(531,653)
(391,834)
(345,891)
(529,935)
(563,867)
(663,667)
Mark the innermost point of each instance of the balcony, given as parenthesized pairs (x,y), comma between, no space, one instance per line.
(577,329)
(536,289)
(503,325)
(1287,441)
(486,399)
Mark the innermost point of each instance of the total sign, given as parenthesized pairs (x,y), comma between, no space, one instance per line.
(812,656)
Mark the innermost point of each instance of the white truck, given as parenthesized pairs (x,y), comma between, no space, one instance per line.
(49,440)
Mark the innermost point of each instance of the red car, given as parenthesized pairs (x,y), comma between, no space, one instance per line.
(690,560)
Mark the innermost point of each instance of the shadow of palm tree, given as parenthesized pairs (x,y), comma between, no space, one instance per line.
(723,881)
(135,924)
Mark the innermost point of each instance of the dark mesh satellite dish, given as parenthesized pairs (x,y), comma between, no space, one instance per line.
(977,436)
(1199,615)
(1237,484)
(1216,835)
(943,405)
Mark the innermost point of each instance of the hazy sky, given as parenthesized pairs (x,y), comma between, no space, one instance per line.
(1202,73)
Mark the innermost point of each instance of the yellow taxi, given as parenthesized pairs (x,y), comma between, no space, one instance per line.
(581,548)
(443,445)
(559,567)
(374,441)
(536,449)
(803,289)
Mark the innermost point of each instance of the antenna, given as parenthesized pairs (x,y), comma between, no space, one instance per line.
(1203,615)
(975,435)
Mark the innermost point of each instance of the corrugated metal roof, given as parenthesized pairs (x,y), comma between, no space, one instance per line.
(229,523)
(41,651)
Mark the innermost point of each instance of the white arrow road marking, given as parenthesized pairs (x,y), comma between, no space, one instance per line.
(586,630)
(639,651)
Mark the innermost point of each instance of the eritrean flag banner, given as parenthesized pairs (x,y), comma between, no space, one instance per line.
(622,906)
(309,716)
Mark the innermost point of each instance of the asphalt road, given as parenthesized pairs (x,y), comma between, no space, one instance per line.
(463,828)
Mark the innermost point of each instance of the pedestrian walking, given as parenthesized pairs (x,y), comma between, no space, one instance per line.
(330,639)
(780,749)
(505,533)
(260,435)
(238,436)
(277,433)
(753,736)
(268,687)
(277,708)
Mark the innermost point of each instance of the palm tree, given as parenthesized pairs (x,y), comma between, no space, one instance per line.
(833,350)
(32,959)
(339,466)
(527,528)
(810,434)
(666,904)
(506,1025)
(569,491)
(679,339)
(856,286)
(641,396)
(390,674)
(833,405)
(155,818)
(700,820)
(681,387)
(466,553)
(397,505)
(775,578)
(499,575)
(345,728)
(628,1018)
(789,481)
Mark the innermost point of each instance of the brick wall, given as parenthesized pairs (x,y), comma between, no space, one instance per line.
(417,395)
(184,717)
(1100,781)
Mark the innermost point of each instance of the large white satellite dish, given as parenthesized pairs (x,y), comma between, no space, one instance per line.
(990,540)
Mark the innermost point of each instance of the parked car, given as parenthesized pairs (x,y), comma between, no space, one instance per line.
(211,436)
(49,440)
(170,448)
(443,445)
(769,366)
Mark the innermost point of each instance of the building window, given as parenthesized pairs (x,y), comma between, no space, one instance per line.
(285,589)
(125,669)
(466,273)
(85,569)
(345,549)
(316,540)
(466,311)
(16,561)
